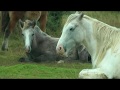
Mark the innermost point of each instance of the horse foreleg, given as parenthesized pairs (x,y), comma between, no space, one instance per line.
(92,74)
(46,56)
(7,33)
(28,58)
(5,39)
(43,21)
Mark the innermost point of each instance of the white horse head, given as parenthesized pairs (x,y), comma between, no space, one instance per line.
(72,34)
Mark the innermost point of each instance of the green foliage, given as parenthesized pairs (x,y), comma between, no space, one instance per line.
(54,20)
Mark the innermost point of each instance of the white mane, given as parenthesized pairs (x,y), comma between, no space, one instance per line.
(70,18)
(107,37)
(102,42)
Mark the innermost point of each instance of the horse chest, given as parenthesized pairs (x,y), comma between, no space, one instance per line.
(110,64)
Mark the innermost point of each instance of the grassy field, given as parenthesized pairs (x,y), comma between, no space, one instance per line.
(11,68)
(41,71)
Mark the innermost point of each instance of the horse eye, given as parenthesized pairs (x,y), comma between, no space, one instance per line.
(32,34)
(71,29)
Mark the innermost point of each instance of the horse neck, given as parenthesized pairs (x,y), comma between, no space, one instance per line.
(34,42)
(36,39)
(89,41)
(41,36)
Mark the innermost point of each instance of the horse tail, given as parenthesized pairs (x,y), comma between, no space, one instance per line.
(5,20)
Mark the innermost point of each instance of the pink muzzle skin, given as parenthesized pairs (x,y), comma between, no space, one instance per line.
(60,50)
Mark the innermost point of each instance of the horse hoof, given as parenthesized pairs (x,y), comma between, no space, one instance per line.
(4,49)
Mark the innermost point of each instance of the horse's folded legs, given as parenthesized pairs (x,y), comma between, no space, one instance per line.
(23,59)
(92,74)
(5,40)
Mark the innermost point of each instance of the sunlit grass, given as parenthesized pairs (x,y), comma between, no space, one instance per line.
(42,71)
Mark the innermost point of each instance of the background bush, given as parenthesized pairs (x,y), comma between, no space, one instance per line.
(56,21)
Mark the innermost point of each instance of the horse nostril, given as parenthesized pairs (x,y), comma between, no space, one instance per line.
(28,49)
(60,48)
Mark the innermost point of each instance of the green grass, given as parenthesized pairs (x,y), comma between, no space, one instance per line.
(41,71)
(11,68)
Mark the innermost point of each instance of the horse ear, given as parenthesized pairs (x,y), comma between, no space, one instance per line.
(34,23)
(80,16)
(76,12)
(21,23)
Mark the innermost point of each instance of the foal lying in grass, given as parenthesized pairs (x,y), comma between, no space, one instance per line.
(40,46)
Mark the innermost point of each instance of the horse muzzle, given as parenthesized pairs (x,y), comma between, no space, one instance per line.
(60,50)
(28,49)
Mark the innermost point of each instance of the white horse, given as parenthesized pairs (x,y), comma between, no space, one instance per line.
(101,40)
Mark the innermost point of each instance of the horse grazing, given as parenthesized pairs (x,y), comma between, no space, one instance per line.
(40,47)
(10,18)
(101,40)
